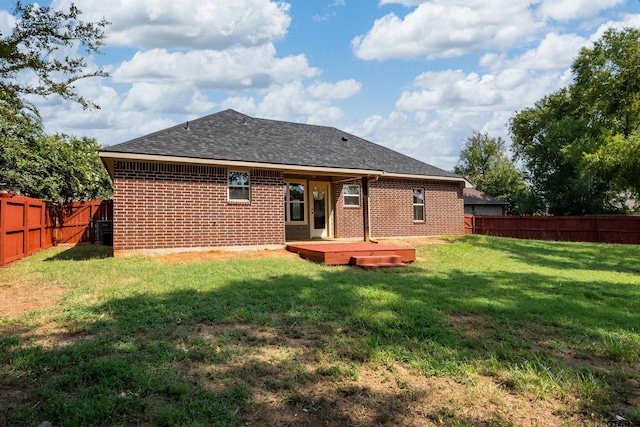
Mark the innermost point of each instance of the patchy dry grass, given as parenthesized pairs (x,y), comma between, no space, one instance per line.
(479,331)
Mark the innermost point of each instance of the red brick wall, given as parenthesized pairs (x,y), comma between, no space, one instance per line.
(391,208)
(160,205)
(348,219)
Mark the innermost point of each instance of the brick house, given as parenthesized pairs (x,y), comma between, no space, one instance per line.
(230,180)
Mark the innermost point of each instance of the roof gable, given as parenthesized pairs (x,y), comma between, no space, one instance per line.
(232,136)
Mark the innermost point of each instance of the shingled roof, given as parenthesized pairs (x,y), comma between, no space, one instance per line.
(476,197)
(232,136)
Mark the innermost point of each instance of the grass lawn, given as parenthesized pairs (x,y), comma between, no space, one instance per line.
(478,331)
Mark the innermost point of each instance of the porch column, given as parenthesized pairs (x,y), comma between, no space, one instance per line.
(365,209)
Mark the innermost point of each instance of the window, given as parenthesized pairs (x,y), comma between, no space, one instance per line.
(418,204)
(239,188)
(351,195)
(294,202)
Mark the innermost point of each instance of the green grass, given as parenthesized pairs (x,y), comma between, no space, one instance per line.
(546,320)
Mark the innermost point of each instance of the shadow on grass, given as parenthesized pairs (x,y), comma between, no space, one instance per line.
(83,253)
(208,353)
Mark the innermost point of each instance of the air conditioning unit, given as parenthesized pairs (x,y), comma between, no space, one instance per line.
(104,232)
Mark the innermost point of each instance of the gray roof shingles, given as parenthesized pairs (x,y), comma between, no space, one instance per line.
(476,197)
(229,135)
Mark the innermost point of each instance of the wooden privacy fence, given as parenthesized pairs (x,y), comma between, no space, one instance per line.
(29,225)
(605,229)
(77,222)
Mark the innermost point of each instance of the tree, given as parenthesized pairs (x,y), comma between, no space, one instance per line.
(36,44)
(607,81)
(57,168)
(580,144)
(479,156)
(484,162)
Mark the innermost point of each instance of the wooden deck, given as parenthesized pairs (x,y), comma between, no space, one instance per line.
(345,253)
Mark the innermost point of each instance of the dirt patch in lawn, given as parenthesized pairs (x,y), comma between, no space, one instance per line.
(414,241)
(188,257)
(293,383)
(17,298)
(219,255)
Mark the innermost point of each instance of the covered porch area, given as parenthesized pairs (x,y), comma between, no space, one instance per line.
(322,207)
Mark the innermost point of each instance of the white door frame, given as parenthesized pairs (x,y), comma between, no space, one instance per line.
(326,231)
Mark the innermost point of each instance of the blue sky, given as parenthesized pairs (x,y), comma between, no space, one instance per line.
(417,76)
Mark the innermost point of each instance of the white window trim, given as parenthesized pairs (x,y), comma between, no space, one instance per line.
(424,214)
(248,186)
(287,202)
(344,194)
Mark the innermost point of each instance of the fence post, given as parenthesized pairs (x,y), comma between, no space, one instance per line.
(598,228)
(3,229)
(91,231)
(42,224)
(25,228)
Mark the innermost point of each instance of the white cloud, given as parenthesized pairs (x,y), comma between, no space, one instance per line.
(294,101)
(404,2)
(448,28)
(243,104)
(199,103)
(563,10)
(447,106)
(555,51)
(7,22)
(554,9)
(431,138)
(235,68)
(158,98)
(450,89)
(340,90)
(629,20)
(454,90)
(187,23)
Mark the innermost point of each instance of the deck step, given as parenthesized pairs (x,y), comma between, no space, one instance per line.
(375,259)
(370,262)
(382,265)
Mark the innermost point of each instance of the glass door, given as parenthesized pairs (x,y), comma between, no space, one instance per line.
(319,209)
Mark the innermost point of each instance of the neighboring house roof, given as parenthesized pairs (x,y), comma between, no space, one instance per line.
(476,197)
(229,136)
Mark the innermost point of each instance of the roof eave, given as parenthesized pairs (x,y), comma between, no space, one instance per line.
(108,158)
(425,177)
